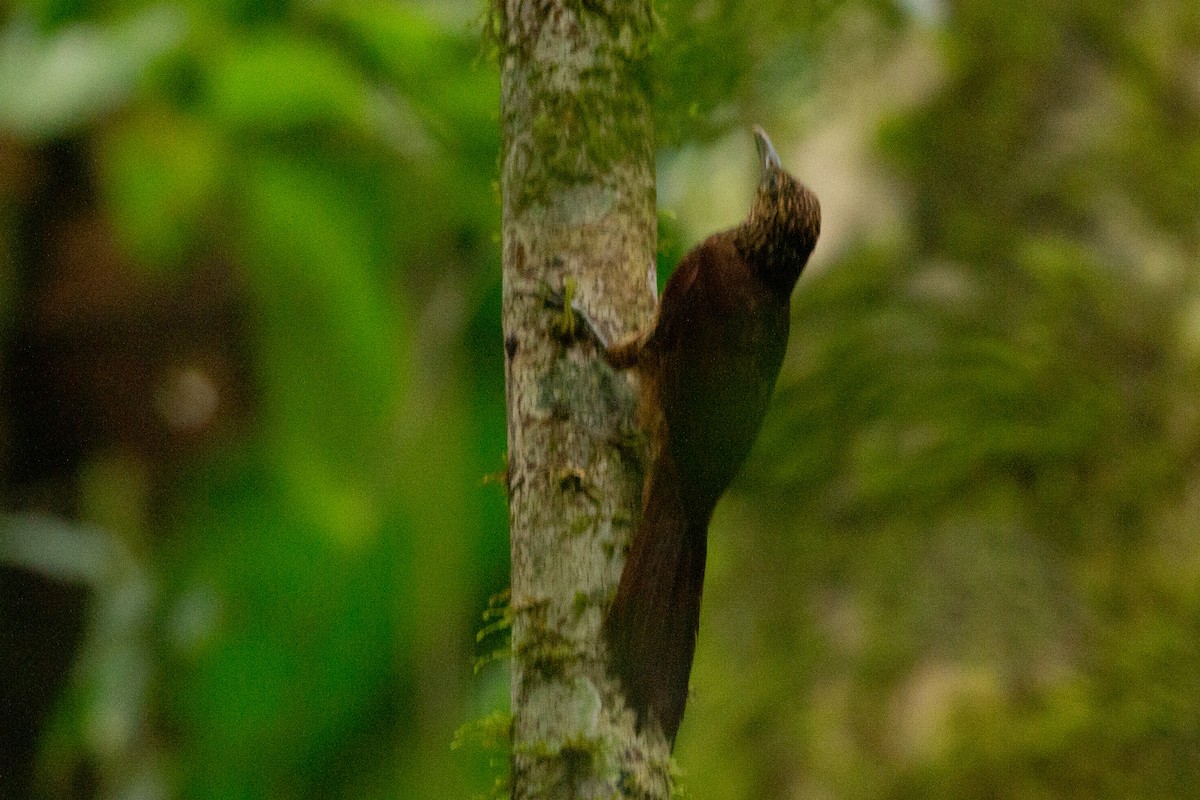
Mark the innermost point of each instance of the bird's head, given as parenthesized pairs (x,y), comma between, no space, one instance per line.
(784,222)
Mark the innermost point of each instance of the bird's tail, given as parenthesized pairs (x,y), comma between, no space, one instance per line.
(651,626)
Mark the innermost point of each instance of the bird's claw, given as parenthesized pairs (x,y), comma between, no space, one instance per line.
(572,322)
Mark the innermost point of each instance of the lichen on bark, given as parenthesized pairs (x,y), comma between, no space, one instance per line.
(577,183)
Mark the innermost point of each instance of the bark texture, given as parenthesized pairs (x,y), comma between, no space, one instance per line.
(579,218)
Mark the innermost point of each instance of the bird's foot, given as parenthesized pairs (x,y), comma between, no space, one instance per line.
(572,323)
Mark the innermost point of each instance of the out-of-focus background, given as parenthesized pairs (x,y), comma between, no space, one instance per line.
(252,394)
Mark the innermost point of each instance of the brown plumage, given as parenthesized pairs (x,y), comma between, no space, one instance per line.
(707,368)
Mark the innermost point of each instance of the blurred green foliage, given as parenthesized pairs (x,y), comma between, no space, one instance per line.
(972,514)
(313,578)
(962,561)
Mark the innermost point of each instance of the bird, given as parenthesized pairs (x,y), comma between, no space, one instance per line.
(706,368)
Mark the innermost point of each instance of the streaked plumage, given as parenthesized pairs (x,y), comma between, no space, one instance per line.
(707,369)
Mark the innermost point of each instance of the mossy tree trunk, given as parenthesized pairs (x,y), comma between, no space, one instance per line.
(579,219)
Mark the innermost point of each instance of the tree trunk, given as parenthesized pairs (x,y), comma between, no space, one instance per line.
(579,219)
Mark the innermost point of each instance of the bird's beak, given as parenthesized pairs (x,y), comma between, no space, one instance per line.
(767,157)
